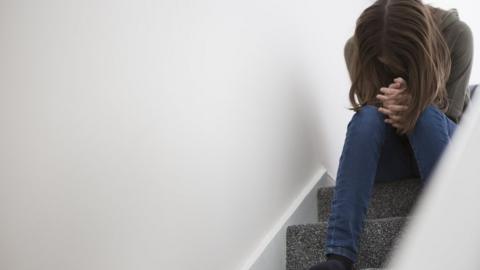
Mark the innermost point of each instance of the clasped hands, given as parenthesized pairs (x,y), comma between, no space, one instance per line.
(395,100)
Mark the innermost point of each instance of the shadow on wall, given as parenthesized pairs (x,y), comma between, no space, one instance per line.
(472,89)
(307,119)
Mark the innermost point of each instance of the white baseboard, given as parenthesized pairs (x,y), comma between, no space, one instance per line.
(271,253)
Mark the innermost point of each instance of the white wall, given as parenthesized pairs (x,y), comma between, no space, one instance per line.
(162,134)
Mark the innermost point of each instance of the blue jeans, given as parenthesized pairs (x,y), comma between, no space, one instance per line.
(374,152)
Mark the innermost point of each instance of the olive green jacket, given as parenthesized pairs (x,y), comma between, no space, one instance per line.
(459,39)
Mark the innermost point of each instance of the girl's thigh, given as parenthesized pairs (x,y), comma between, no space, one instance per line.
(397,160)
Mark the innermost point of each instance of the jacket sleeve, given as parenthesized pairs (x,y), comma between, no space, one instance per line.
(457,84)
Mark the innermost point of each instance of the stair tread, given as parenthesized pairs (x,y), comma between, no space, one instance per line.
(388,199)
(305,242)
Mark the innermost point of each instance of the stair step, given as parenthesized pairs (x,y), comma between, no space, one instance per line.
(389,199)
(305,243)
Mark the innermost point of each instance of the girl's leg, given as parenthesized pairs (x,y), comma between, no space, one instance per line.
(370,143)
(432,133)
(397,160)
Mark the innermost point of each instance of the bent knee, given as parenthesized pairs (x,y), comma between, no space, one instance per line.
(367,124)
(368,118)
(430,117)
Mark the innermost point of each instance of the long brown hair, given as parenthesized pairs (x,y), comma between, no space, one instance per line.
(400,38)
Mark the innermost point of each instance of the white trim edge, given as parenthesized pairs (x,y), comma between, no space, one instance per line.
(271,251)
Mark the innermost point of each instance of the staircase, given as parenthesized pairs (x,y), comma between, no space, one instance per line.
(388,211)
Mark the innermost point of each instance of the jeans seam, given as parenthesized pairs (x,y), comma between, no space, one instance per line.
(415,156)
(332,238)
(449,132)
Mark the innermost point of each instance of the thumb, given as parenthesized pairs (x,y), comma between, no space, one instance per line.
(401,81)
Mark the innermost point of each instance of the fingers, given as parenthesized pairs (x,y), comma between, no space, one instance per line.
(405,100)
(391,114)
(396,108)
(401,81)
(392,99)
(395,88)
(393,123)
(383,97)
(398,86)
(386,100)
(400,97)
(391,91)
(394,85)
(395,118)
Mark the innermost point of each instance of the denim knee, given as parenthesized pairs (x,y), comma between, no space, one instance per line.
(431,115)
(368,122)
(429,138)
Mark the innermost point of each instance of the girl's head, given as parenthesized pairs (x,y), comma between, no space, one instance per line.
(400,38)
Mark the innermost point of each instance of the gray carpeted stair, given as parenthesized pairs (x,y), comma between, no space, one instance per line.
(390,205)
(389,199)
